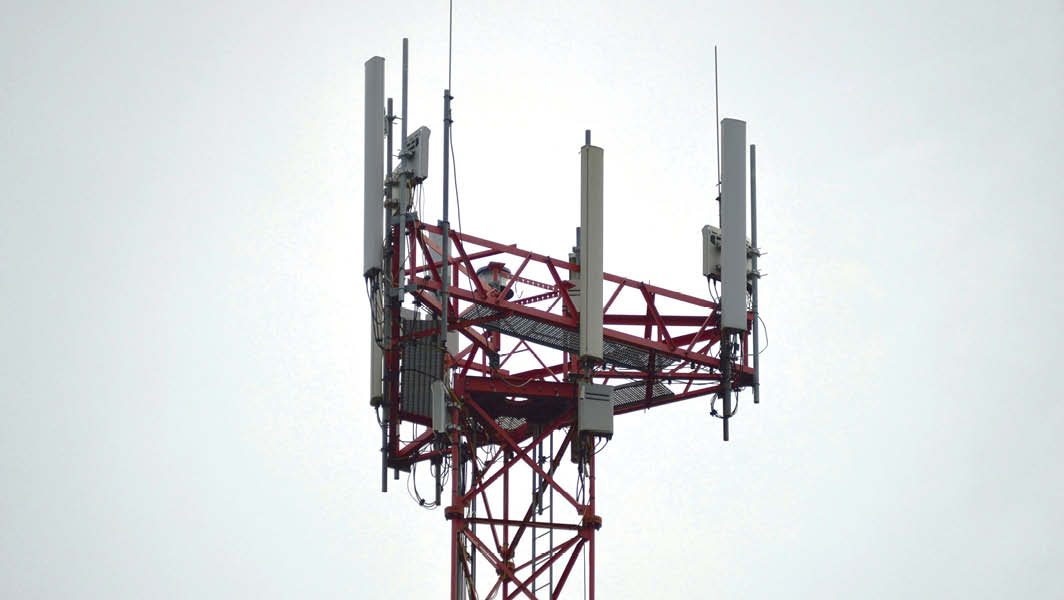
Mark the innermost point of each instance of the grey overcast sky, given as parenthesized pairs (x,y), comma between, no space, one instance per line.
(183,321)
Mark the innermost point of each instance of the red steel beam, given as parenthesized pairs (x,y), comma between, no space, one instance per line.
(515,523)
(512,249)
(521,453)
(530,389)
(572,324)
(641,320)
(522,585)
(667,400)
(568,569)
(476,489)
(534,386)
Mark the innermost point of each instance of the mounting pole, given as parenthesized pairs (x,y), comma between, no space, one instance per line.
(404,179)
(387,327)
(725,357)
(591,538)
(457,487)
(390,119)
(756,276)
(397,261)
(444,224)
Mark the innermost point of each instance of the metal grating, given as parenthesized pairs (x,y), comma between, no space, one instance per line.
(510,423)
(623,395)
(560,338)
(421,365)
(634,393)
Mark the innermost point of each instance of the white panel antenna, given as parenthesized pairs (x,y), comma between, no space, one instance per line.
(440,417)
(376,370)
(733,253)
(590,299)
(373,200)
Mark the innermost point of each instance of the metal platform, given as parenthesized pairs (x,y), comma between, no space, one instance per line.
(563,339)
(623,396)
(635,393)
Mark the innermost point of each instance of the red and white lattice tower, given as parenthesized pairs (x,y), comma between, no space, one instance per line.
(499,370)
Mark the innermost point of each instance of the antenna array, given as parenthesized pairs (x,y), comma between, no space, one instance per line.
(503,360)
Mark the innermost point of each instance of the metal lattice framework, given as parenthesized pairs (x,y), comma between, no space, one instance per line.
(515,504)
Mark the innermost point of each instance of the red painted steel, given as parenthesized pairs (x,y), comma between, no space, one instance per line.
(504,417)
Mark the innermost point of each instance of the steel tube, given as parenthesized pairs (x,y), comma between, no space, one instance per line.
(725,360)
(406,63)
(756,275)
(445,227)
(388,124)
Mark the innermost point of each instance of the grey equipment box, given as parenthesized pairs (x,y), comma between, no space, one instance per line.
(594,410)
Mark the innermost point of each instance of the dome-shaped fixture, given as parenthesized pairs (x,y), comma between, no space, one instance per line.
(495,276)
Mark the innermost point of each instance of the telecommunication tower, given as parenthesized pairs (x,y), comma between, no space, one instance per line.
(499,370)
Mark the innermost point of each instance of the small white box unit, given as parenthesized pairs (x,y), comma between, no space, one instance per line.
(417,146)
(594,410)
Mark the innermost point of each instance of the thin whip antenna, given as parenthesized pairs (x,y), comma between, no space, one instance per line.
(450,37)
(716,124)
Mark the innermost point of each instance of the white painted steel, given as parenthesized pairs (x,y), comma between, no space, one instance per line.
(710,251)
(373,173)
(453,343)
(590,299)
(733,223)
(376,369)
(417,146)
(711,242)
(594,410)
(440,418)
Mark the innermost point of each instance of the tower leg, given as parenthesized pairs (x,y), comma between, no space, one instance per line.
(591,531)
(456,511)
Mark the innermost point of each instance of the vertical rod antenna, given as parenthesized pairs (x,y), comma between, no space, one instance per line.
(756,275)
(406,64)
(716,102)
(450,45)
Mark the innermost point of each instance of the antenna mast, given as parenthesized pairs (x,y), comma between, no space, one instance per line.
(545,349)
